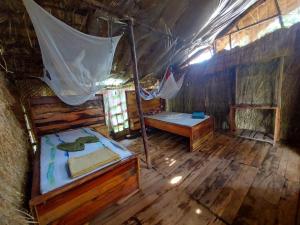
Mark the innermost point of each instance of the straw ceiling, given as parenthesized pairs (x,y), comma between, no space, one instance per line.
(166,31)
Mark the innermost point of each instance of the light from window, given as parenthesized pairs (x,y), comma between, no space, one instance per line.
(291,18)
(205,55)
(275,25)
(112,82)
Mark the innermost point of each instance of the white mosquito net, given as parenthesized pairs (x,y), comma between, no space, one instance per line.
(167,89)
(75,63)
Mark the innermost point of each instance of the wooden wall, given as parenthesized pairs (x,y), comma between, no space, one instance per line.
(151,106)
(49,114)
(14,163)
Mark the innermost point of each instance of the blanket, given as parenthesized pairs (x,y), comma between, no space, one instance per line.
(81,165)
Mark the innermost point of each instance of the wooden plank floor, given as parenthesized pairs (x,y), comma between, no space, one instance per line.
(230,181)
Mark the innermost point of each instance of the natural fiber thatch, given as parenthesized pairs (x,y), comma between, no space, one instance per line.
(290,112)
(257,86)
(209,86)
(162,28)
(31,88)
(13,160)
(281,42)
(210,93)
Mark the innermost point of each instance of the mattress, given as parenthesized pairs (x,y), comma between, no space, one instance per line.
(54,171)
(183,119)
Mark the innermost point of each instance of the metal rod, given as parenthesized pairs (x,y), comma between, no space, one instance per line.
(137,91)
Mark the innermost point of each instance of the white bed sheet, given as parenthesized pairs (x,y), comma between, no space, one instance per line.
(184,119)
(53,162)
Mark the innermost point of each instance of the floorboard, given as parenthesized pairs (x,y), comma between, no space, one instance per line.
(231,180)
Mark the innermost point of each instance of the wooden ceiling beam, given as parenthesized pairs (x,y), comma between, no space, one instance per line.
(121,17)
(223,33)
(279,13)
(251,25)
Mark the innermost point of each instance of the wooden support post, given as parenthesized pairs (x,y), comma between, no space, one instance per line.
(236,85)
(279,102)
(280,80)
(137,92)
(232,125)
(279,13)
(232,110)
(277,126)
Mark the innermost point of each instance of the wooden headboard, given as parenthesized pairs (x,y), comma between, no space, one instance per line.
(151,106)
(50,114)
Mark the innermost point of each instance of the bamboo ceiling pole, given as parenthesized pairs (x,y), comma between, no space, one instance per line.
(137,92)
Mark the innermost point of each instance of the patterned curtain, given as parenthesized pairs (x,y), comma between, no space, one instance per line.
(116,110)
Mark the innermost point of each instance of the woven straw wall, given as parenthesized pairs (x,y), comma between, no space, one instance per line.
(14,163)
(210,86)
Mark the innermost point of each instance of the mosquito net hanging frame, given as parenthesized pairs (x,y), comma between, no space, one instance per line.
(76,63)
(82,81)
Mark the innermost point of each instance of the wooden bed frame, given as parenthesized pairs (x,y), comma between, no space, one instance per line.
(81,200)
(197,134)
(148,107)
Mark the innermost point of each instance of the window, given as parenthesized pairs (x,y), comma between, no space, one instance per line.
(112,82)
(116,110)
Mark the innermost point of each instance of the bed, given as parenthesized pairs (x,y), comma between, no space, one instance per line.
(56,198)
(149,107)
(198,131)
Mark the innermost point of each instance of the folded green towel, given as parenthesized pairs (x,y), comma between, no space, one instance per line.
(77,145)
(71,147)
(87,139)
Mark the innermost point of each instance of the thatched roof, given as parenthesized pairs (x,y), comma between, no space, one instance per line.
(166,30)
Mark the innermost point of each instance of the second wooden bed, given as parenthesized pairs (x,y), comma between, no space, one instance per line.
(197,130)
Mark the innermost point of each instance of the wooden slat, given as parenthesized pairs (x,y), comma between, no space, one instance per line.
(152,106)
(288,203)
(50,114)
(247,106)
(37,198)
(209,190)
(233,181)
(201,133)
(198,134)
(276,109)
(172,128)
(93,192)
(233,193)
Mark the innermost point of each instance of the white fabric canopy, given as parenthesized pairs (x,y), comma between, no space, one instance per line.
(75,63)
(167,89)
